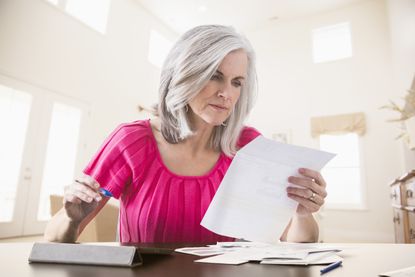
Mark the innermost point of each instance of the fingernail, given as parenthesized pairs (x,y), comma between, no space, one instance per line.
(290,179)
(301,170)
(89,199)
(98,198)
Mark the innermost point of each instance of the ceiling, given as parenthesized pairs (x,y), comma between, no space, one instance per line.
(181,15)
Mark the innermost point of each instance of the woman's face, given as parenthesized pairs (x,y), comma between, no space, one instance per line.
(215,102)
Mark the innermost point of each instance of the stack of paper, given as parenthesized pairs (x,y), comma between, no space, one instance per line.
(282,253)
(318,258)
(202,251)
(219,248)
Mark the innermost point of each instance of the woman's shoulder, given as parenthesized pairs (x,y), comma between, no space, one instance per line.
(137,125)
(246,135)
(130,132)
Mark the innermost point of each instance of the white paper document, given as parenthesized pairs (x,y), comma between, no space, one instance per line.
(201,251)
(271,255)
(232,258)
(404,272)
(320,258)
(252,202)
(285,253)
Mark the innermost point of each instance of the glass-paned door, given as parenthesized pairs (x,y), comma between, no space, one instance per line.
(41,147)
(61,155)
(14,120)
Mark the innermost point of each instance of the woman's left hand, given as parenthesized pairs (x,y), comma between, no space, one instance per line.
(311,191)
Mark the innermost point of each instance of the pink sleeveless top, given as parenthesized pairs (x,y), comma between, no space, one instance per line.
(156,205)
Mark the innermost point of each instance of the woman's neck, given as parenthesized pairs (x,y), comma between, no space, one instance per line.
(199,142)
(202,133)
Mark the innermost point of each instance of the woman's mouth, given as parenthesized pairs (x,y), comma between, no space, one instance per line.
(218,107)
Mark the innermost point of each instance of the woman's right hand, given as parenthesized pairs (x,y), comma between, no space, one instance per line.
(81,198)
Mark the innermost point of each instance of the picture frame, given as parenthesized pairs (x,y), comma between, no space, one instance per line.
(282,136)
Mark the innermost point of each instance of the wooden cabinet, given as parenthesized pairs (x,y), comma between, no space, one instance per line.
(402,195)
(395,194)
(410,192)
(399,222)
(411,227)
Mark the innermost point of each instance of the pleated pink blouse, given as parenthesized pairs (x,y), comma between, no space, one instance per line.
(156,205)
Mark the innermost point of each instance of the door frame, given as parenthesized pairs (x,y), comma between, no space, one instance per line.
(24,221)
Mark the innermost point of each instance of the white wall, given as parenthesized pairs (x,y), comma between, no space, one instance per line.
(402,30)
(45,47)
(293,89)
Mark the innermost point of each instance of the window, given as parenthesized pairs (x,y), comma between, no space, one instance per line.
(159,47)
(93,13)
(343,173)
(332,43)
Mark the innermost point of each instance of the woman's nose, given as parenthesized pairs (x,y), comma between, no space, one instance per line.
(225,92)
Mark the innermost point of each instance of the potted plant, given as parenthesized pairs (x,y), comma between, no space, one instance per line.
(407,116)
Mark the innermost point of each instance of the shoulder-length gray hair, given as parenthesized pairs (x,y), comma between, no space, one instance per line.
(188,67)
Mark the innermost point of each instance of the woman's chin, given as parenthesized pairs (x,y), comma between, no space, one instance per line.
(215,122)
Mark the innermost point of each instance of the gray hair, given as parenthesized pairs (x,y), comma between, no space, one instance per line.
(188,67)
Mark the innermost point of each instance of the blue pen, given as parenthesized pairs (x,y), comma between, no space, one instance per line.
(101,190)
(331,267)
(105,192)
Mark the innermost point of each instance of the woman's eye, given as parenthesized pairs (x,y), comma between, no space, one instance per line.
(215,77)
(237,84)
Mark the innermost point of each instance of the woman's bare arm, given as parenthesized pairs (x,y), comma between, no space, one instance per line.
(62,228)
(81,203)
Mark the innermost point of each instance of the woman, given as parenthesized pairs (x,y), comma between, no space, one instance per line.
(166,170)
